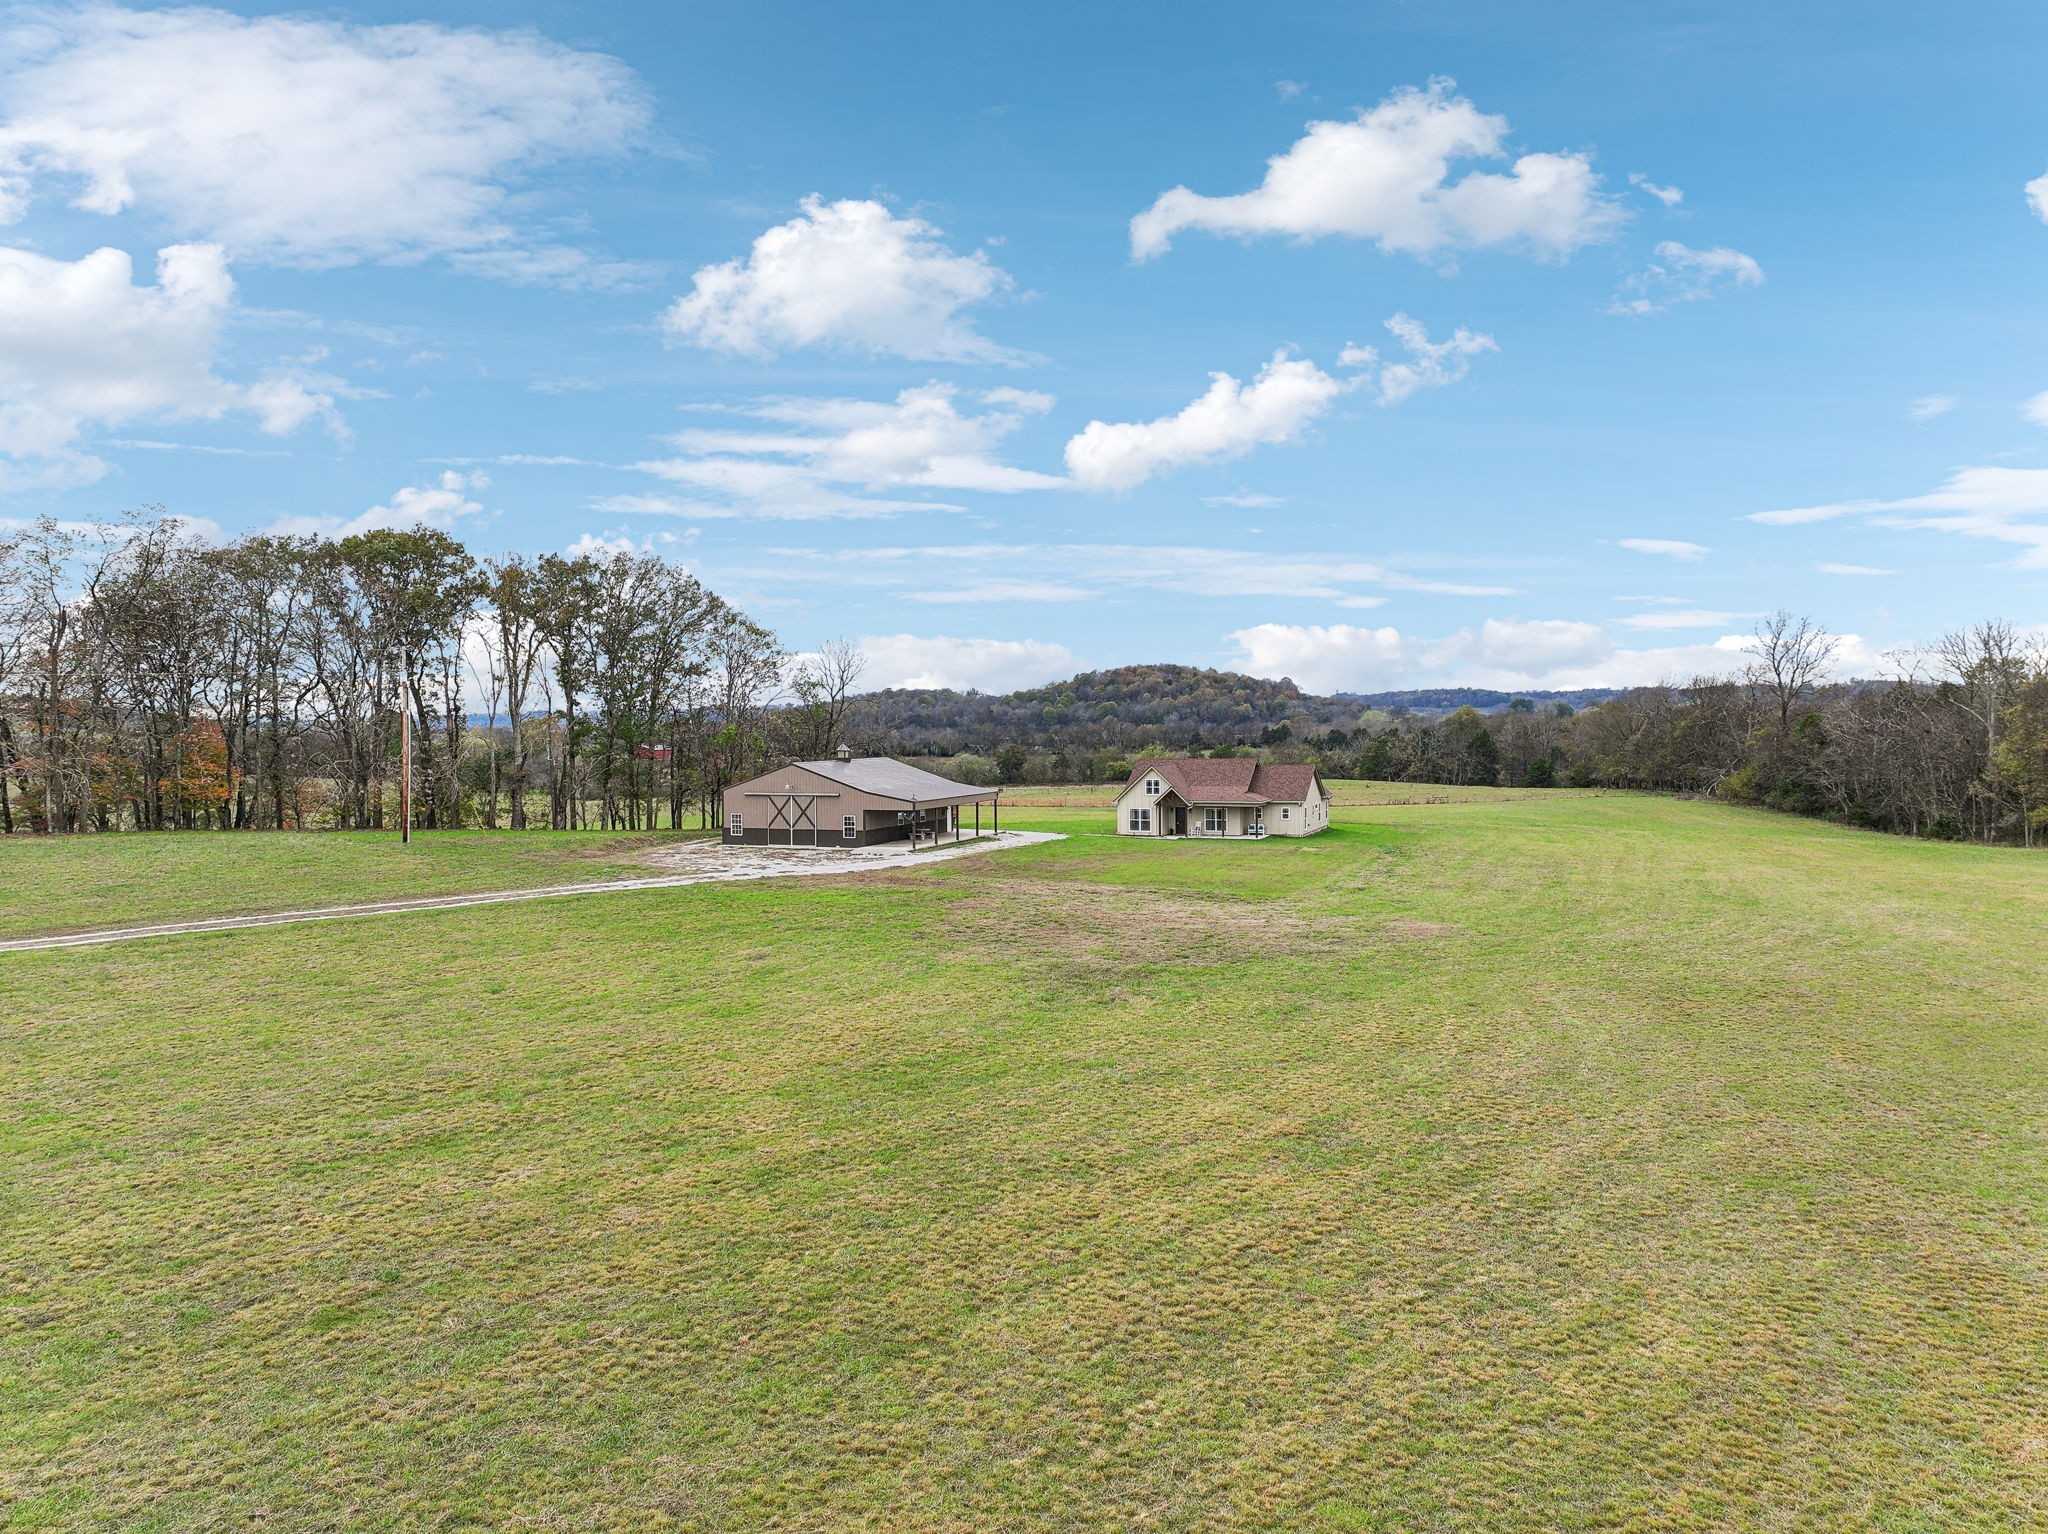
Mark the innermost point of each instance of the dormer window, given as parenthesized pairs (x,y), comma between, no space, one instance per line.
(1151,785)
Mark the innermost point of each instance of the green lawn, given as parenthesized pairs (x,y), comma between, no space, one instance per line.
(1520,1163)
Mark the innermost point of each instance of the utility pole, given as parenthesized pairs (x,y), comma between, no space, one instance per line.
(405,746)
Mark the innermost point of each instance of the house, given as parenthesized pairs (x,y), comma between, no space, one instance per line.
(854,801)
(1230,796)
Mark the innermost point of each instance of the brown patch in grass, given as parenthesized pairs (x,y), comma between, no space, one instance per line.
(1408,928)
(2024,1443)
(1113,927)
(1138,923)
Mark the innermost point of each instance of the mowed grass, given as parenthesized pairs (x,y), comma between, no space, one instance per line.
(74,884)
(1541,1163)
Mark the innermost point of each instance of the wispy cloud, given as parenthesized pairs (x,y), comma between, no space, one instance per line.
(804,459)
(1092,571)
(1684,618)
(1668,548)
(1682,275)
(1985,501)
(1670,196)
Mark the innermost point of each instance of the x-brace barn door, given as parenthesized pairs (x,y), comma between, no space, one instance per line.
(793,815)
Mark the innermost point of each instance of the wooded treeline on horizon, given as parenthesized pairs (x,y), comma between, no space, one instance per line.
(152,681)
(1956,746)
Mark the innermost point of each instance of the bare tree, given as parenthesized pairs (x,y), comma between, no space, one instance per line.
(1988,665)
(1792,654)
(823,684)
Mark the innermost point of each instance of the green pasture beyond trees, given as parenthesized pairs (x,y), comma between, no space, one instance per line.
(1523,1162)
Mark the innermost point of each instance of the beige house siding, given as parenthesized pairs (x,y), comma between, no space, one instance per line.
(1135,797)
(1303,819)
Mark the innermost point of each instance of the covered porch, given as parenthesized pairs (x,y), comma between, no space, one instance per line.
(945,825)
(1221,820)
(1173,815)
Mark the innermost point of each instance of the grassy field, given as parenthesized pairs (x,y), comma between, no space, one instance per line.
(73,884)
(1520,1163)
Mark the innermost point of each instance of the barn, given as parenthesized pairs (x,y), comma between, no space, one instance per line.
(856,801)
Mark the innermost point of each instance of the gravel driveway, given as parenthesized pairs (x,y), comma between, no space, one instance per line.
(700,863)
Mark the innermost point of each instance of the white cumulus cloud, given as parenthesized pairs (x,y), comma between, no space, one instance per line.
(1928,406)
(81,345)
(1323,657)
(1385,175)
(1228,421)
(306,141)
(850,275)
(442,505)
(809,458)
(988,665)
(1682,275)
(2035,410)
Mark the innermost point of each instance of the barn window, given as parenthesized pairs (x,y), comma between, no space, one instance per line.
(846,826)
(735,823)
(1141,820)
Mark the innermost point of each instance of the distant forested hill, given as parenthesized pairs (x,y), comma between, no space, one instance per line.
(1442,700)
(1106,713)
(1172,705)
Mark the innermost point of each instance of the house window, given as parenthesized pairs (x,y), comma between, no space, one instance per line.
(735,824)
(1215,820)
(846,826)
(1283,812)
(1151,785)
(1141,820)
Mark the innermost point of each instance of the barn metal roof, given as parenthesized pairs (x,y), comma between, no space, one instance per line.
(890,779)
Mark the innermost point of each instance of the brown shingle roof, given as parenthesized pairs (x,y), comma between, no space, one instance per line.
(1229,780)
(1283,781)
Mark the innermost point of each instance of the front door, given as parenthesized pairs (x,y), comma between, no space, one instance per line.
(1180,820)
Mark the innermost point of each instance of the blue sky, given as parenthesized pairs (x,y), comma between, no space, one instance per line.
(890,323)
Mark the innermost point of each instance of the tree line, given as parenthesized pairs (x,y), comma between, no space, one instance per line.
(150,680)
(1954,745)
